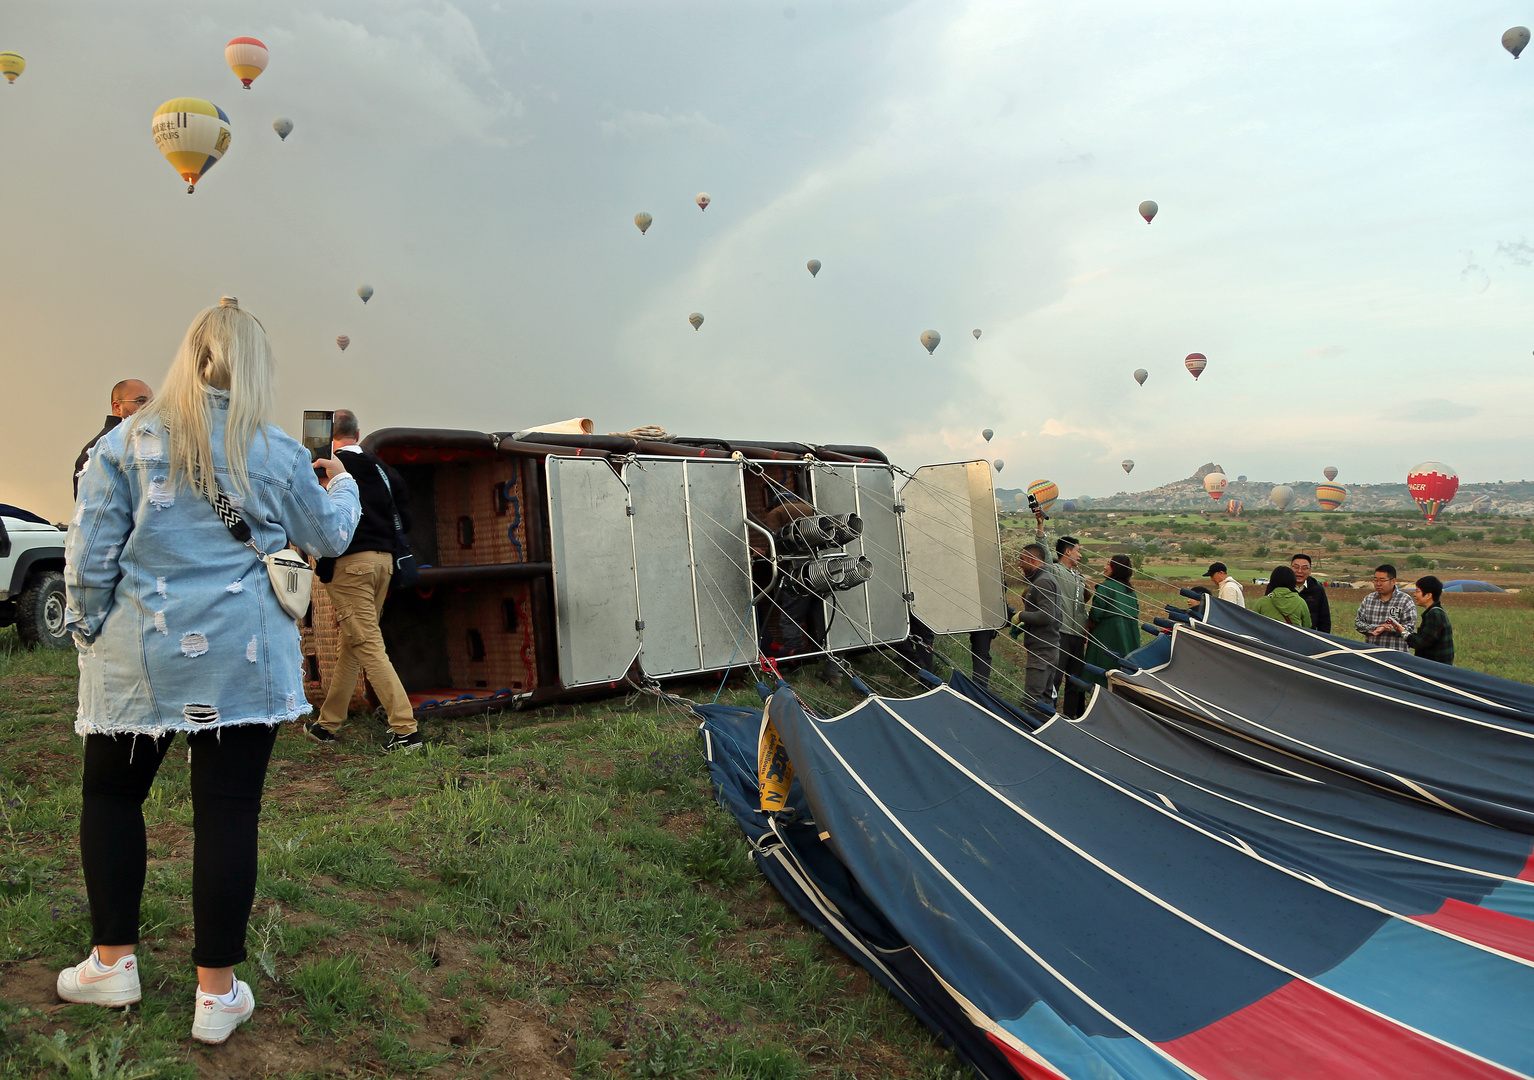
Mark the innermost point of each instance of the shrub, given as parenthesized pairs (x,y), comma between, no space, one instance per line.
(1263,551)
(1417,562)
(1332,546)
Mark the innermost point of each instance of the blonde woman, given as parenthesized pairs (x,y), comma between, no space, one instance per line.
(178,629)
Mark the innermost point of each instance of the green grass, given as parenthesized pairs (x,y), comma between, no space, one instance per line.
(553,890)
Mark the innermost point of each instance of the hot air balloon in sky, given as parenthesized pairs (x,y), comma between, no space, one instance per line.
(283,127)
(1516,40)
(1215,484)
(976,333)
(1044,493)
(1241,479)
(343,341)
(702,199)
(986,434)
(1282,496)
(930,339)
(1021,498)
(1141,375)
(1127,465)
(366,292)
(1148,210)
(1330,472)
(192,134)
(696,318)
(1331,496)
(247,58)
(813,266)
(1433,485)
(1196,363)
(643,220)
(11,65)
(998,464)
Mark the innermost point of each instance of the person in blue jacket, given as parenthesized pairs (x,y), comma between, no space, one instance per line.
(179,629)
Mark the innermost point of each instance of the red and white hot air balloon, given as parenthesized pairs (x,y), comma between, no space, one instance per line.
(1196,363)
(1214,484)
(1433,485)
(247,58)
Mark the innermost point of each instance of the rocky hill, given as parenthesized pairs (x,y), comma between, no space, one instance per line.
(1511,497)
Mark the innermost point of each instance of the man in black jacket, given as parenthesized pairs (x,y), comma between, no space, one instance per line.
(358,584)
(128,397)
(1313,593)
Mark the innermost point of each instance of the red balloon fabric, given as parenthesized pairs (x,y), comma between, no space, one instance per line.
(1433,485)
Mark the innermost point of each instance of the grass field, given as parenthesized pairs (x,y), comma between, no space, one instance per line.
(536,895)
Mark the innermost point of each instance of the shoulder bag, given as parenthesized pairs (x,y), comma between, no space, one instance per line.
(291,576)
(406,570)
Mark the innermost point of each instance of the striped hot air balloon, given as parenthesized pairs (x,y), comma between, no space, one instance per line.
(343,341)
(246,57)
(11,65)
(192,134)
(1044,492)
(1331,496)
(1196,363)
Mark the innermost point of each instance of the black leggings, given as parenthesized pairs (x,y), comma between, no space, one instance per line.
(228,771)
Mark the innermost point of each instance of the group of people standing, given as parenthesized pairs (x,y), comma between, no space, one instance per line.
(1065,624)
(1387,616)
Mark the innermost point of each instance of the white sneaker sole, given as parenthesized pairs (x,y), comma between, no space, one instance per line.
(215,1034)
(112,999)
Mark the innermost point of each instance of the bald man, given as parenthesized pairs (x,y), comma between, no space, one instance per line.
(128,397)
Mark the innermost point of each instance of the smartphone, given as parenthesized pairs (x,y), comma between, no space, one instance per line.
(319,430)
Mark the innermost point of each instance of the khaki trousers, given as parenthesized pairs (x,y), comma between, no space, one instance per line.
(357,591)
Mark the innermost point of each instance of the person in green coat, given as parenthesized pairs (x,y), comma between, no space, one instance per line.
(1283,601)
(1113,624)
(1434,637)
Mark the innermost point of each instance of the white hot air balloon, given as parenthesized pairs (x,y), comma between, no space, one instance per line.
(1148,210)
(1127,465)
(365,292)
(999,464)
(696,318)
(987,434)
(1282,496)
(976,333)
(930,338)
(1141,375)
(813,266)
(702,199)
(283,127)
(1515,40)
(643,220)
(1214,485)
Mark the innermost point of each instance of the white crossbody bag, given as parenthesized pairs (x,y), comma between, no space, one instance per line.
(291,575)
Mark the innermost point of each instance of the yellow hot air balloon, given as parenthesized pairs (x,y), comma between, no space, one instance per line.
(247,58)
(11,65)
(192,134)
(643,220)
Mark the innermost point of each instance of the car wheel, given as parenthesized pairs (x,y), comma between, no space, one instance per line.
(40,612)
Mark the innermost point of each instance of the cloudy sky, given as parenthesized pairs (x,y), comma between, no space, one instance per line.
(1346,227)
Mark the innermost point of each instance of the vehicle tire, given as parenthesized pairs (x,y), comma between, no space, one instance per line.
(40,611)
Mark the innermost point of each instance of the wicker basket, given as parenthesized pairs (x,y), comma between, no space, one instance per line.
(481,519)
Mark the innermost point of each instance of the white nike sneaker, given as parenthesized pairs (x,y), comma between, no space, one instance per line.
(87,984)
(213,1021)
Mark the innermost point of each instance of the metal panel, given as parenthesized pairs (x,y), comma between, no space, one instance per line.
(693,563)
(953,548)
(596,602)
(716,509)
(873,613)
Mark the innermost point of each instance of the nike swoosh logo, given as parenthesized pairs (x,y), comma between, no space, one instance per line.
(86,977)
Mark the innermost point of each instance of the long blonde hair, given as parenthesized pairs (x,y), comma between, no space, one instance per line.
(225,348)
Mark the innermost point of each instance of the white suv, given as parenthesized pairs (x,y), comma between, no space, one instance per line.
(32,581)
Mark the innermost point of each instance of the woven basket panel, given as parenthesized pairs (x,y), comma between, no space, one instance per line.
(509,662)
(469,491)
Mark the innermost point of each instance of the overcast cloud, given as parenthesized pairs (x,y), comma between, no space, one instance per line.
(1344,227)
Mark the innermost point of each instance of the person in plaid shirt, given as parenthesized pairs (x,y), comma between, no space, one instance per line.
(1387,614)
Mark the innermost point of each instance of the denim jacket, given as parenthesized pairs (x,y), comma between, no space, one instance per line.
(176,623)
